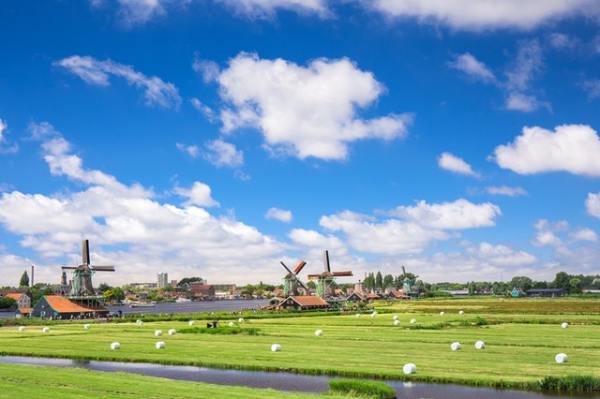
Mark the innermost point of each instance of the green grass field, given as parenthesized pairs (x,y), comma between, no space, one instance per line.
(520,346)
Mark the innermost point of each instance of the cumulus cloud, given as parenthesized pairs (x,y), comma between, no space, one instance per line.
(592,204)
(592,88)
(561,40)
(455,164)
(282,215)
(569,148)
(585,234)
(204,109)
(472,67)
(189,149)
(304,111)
(96,72)
(460,214)
(410,229)
(198,194)
(3,127)
(506,190)
(223,154)
(5,147)
(138,12)
(267,8)
(485,14)
(519,77)
(130,228)
(209,70)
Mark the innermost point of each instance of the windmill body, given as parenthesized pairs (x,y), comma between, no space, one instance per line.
(291,281)
(326,281)
(81,285)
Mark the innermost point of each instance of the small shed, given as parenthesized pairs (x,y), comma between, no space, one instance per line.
(303,302)
(546,292)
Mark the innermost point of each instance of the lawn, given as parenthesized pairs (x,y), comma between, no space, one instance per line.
(520,348)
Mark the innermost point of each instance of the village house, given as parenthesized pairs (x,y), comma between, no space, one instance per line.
(303,302)
(59,307)
(202,291)
(22,299)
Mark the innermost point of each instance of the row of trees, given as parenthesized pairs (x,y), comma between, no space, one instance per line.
(380,282)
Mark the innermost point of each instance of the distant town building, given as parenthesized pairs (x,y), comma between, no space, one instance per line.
(463,292)
(202,291)
(173,283)
(143,286)
(546,292)
(163,280)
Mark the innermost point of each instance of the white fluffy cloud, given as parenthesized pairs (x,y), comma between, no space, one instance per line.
(150,235)
(460,214)
(455,164)
(266,8)
(221,153)
(96,72)
(198,194)
(592,88)
(569,148)
(585,235)
(410,229)
(2,129)
(471,66)
(592,204)
(506,190)
(189,149)
(519,77)
(304,111)
(5,147)
(484,14)
(282,215)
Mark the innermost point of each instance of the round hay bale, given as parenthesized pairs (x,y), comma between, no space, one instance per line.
(374,314)
(357,315)
(275,348)
(191,323)
(396,322)
(139,322)
(241,320)
(160,345)
(87,326)
(172,331)
(561,358)
(461,312)
(455,346)
(46,330)
(395,317)
(318,333)
(413,321)
(442,313)
(479,344)
(231,324)
(409,368)
(115,346)
(21,328)
(157,333)
(564,325)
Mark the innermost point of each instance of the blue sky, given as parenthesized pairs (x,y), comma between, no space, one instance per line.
(460,141)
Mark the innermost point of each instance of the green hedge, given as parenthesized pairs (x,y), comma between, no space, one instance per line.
(571,384)
(362,388)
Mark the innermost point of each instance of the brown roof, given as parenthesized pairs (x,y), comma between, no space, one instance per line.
(14,295)
(63,305)
(373,296)
(309,300)
(25,310)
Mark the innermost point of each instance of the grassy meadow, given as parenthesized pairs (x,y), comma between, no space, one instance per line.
(520,344)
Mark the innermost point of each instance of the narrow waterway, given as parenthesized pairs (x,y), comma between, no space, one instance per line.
(281,381)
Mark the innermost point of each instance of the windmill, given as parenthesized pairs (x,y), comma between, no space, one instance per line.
(408,282)
(291,280)
(326,280)
(82,274)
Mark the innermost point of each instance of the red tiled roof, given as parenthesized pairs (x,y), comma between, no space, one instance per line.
(14,295)
(25,310)
(373,296)
(64,305)
(309,300)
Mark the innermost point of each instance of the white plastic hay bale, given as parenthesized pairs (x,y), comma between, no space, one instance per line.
(241,320)
(160,345)
(357,315)
(275,348)
(442,313)
(115,346)
(564,325)
(413,321)
(157,333)
(461,312)
(191,323)
(22,328)
(395,317)
(318,333)
(87,326)
(396,322)
(374,314)
(231,324)
(409,368)
(46,330)
(561,358)
(139,322)
(172,331)
(479,344)
(455,346)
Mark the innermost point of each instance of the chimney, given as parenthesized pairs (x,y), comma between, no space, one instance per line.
(32,270)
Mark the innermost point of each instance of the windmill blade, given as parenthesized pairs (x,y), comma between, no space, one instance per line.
(103,268)
(85,252)
(69,268)
(286,268)
(326,261)
(302,285)
(342,274)
(299,268)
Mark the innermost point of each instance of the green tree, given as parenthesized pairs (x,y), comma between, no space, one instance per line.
(7,303)
(575,285)
(102,288)
(388,281)
(24,282)
(562,280)
(312,285)
(378,281)
(521,282)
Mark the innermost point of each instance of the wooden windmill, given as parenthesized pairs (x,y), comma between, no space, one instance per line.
(291,282)
(81,285)
(326,280)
